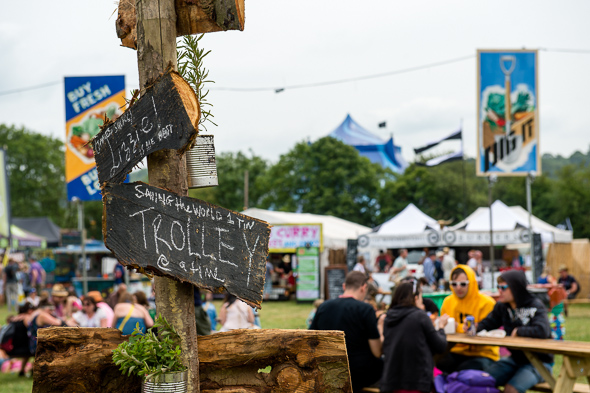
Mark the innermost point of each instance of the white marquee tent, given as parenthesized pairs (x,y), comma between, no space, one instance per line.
(509,225)
(411,228)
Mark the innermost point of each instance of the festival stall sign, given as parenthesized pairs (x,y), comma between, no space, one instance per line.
(508,113)
(88,99)
(157,231)
(308,273)
(286,238)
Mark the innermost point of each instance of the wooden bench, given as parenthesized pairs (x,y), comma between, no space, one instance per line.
(576,358)
(577,301)
(544,387)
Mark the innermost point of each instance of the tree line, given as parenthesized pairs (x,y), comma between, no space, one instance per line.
(324,177)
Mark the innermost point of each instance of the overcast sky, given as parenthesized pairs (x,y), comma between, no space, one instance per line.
(289,43)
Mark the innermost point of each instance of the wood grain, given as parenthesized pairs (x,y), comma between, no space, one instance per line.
(192,17)
(79,360)
(570,348)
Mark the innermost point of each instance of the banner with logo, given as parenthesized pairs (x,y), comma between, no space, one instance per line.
(4,202)
(88,100)
(288,237)
(508,113)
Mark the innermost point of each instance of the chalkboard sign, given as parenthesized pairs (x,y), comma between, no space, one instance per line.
(152,229)
(537,257)
(351,253)
(165,117)
(334,278)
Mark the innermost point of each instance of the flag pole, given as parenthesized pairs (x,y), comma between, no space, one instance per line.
(464,181)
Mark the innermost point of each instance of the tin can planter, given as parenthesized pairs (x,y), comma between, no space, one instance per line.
(166,383)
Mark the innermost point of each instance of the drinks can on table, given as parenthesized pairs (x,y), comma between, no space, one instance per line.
(470,326)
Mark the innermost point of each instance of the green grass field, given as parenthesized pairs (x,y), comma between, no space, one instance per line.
(291,315)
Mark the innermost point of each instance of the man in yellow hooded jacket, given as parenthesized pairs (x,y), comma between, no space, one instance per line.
(467,301)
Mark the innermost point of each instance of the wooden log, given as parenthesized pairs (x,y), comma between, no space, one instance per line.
(165,117)
(79,360)
(187,239)
(192,17)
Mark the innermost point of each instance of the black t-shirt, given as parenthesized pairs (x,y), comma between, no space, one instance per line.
(10,272)
(285,266)
(567,283)
(357,320)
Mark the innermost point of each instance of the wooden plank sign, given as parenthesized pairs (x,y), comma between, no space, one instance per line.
(187,239)
(165,117)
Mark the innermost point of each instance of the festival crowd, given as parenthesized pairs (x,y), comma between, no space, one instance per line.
(403,348)
(59,305)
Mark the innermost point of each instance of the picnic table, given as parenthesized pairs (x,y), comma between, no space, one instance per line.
(576,357)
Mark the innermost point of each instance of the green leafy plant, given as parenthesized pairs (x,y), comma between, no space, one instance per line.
(190,66)
(150,354)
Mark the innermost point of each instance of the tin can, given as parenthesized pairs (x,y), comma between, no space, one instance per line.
(470,321)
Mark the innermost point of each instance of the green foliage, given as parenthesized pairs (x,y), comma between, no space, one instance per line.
(35,165)
(572,197)
(438,191)
(553,164)
(150,354)
(325,177)
(231,168)
(190,66)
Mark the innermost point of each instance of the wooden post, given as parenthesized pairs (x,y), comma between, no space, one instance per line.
(156,50)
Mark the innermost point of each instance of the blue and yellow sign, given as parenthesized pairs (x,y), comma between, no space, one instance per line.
(88,101)
(508,113)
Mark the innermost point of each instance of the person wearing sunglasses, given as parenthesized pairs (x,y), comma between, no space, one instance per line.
(521,314)
(410,340)
(91,315)
(466,300)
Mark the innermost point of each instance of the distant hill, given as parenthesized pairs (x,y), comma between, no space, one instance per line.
(552,164)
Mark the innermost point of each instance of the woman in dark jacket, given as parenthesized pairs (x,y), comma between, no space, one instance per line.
(410,341)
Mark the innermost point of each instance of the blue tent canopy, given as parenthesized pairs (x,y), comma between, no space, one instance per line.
(381,152)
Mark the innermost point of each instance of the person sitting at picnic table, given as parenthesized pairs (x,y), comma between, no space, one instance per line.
(521,315)
(91,315)
(235,314)
(546,277)
(362,335)
(410,340)
(129,315)
(466,300)
(569,283)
